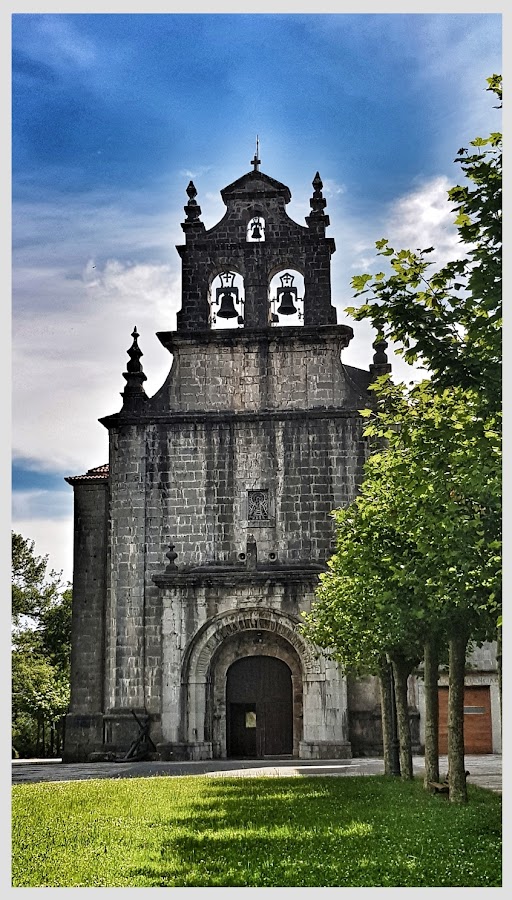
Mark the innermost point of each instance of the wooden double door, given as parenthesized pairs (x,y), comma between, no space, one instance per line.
(259,704)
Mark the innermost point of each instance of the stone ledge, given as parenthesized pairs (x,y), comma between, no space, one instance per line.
(228,416)
(228,576)
(273,334)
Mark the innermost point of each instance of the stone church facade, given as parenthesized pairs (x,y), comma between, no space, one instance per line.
(199,545)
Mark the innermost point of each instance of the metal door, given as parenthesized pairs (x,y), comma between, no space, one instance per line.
(477,719)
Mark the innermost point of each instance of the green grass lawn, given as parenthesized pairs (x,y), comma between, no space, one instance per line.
(256,832)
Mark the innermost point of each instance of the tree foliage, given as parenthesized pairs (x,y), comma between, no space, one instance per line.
(450,321)
(31,590)
(41,646)
(418,555)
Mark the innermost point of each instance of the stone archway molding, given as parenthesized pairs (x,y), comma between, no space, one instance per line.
(212,634)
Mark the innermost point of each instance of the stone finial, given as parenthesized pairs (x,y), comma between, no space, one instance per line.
(380,365)
(171,556)
(134,391)
(192,224)
(192,209)
(317,218)
(380,356)
(317,201)
(317,184)
(135,354)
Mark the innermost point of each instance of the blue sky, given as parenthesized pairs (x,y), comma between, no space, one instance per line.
(112,116)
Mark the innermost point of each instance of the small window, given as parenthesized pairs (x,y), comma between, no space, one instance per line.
(256,230)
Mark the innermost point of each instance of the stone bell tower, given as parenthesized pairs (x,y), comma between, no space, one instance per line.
(199,547)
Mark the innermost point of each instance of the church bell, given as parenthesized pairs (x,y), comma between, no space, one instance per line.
(256,231)
(287,307)
(227,296)
(227,307)
(286,294)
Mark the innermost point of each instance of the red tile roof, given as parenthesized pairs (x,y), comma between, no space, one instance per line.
(100,473)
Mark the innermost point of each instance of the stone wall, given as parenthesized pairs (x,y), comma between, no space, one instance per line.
(253,370)
(198,476)
(184,469)
(84,722)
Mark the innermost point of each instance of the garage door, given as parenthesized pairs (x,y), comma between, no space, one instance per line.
(477,720)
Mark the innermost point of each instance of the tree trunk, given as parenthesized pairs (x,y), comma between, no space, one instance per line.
(401,673)
(456,764)
(431,677)
(498,665)
(391,761)
(38,738)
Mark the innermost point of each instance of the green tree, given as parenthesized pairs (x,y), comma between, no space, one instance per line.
(417,563)
(450,321)
(430,506)
(32,591)
(452,480)
(40,697)
(41,639)
(364,619)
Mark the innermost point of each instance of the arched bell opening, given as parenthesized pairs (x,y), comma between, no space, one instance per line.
(255,232)
(227,300)
(286,298)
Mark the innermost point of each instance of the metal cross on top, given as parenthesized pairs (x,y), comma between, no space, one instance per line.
(255,162)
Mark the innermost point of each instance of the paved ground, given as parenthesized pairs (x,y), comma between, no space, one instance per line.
(485,771)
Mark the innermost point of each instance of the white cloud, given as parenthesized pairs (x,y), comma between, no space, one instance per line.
(68,361)
(39,503)
(424,218)
(421,218)
(61,234)
(52,537)
(69,47)
(332,188)
(195,173)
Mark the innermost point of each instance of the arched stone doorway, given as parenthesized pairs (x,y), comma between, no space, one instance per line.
(244,647)
(226,638)
(259,708)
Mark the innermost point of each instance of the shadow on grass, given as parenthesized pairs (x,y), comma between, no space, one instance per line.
(361,832)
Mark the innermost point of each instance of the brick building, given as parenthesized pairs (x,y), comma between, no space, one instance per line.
(199,545)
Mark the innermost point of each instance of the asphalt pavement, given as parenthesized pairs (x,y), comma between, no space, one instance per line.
(485,770)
